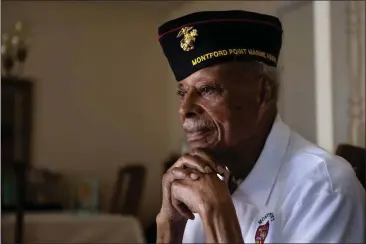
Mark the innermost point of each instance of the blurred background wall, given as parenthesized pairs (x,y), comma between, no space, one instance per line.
(105,96)
(101,96)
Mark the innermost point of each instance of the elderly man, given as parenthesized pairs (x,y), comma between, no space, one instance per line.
(249,178)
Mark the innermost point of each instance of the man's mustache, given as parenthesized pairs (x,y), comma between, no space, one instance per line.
(195,125)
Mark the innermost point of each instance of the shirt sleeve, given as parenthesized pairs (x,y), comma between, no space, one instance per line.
(327,216)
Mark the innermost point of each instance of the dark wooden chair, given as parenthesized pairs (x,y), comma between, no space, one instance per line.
(19,170)
(16,124)
(128,190)
(356,156)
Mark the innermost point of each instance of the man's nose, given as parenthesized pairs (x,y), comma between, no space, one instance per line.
(189,106)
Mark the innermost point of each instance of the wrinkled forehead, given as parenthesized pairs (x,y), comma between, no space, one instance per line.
(222,73)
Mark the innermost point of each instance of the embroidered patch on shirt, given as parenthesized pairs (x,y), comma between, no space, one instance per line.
(269,216)
(263,229)
(261,233)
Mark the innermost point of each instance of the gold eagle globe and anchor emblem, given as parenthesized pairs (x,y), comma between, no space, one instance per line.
(189,37)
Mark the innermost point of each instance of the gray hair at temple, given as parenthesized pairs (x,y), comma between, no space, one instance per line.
(273,74)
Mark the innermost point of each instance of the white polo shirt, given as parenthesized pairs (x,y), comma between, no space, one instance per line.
(296,193)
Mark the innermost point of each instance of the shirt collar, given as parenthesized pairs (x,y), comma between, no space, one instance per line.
(257,187)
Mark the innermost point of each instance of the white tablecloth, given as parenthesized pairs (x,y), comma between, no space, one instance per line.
(74,228)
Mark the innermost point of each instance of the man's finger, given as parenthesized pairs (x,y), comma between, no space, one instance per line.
(178,205)
(182,209)
(190,161)
(181,174)
(177,173)
(184,174)
(209,159)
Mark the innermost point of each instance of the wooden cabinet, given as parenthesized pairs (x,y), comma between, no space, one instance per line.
(16,124)
(16,120)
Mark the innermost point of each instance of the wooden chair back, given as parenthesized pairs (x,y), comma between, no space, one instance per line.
(128,190)
(356,156)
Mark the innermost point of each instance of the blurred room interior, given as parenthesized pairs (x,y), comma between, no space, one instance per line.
(89,107)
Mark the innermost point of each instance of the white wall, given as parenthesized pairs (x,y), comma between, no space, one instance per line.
(299,40)
(298,73)
(100,97)
(340,71)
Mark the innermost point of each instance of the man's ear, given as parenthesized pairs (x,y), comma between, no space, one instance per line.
(267,90)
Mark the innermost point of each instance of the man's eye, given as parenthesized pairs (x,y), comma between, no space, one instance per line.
(181,93)
(206,90)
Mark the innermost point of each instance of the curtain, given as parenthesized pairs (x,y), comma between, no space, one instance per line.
(355,11)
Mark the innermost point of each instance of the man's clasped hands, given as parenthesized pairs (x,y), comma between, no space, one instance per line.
(191,186)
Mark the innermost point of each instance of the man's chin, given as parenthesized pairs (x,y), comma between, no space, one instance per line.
(202,140)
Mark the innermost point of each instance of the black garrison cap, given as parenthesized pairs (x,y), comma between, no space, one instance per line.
(202,39)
